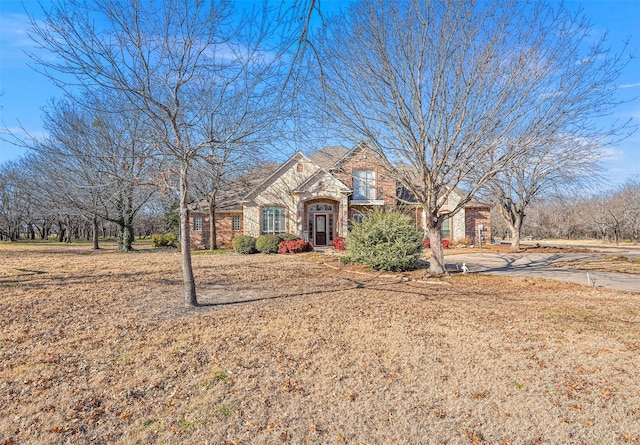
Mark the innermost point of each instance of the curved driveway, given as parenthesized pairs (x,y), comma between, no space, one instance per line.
(538,265)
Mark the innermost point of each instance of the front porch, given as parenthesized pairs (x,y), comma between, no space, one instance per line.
(322,221)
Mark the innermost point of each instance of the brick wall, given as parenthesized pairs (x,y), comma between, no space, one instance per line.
(367,159)
(201,239)
(475,216)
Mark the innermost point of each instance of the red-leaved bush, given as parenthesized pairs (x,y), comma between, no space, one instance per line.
(338,243)
(294,246)
(427,243)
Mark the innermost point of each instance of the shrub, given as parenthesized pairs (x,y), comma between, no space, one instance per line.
(288,237)
(294,246)
(338,243)
(385,241)
(164,239)
(244,244)
(426,243)
(268,243)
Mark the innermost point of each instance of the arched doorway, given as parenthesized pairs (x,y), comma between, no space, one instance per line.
(321,221)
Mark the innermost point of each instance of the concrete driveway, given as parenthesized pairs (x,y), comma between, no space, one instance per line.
(538,265)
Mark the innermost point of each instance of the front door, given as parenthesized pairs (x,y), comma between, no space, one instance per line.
(321,230)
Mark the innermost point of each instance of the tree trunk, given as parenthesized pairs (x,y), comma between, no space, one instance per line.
(68,232)
(94,229)
(190,299)
(61,231)
(515,238)
(436,262)
(515,226)
(213,235)
(120,234)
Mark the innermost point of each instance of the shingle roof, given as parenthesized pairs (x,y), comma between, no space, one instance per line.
(232,192)
(326,157)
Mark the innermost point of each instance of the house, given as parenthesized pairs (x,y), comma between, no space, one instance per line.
(318,197)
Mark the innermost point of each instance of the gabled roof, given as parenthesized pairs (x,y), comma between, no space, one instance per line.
(317,176)
(328,156)
(230,194)
(298,156)
(358,148)
(407,197)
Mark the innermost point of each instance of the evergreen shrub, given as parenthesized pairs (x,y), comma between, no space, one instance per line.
(244,244)
(164,239)
(268,243)
(385,241)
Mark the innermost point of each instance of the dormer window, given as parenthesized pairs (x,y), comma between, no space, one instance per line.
(364,184)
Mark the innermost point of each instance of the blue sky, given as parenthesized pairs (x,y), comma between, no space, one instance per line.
(25,92)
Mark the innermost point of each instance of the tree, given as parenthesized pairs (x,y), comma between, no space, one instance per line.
(629,195)
(98,162)
(181,63)
(13,208)
(556,166)
(452,91)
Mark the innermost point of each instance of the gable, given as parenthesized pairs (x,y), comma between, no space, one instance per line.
(328,156)
(322,183)
(364,156)
(279,187)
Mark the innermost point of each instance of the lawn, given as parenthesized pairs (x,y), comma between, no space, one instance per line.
(97,348)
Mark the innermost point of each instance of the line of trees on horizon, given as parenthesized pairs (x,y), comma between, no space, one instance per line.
(498,98)
(610,216)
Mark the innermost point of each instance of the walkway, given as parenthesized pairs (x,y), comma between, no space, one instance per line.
(538,265)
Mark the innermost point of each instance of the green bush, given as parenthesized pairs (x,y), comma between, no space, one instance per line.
(268,243)
(164,239)
(244,244)
(288,237)
(385,241)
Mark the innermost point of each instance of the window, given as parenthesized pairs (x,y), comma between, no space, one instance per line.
(321,208)
(330,227)
(235,223)
(357,218)
(273,220)
(197,223)
(445,229)
(364,184)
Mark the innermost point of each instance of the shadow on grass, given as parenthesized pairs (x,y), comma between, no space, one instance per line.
(401,287)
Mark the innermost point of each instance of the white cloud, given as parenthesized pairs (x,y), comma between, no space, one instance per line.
(630,85)
(613,154)
(14,39)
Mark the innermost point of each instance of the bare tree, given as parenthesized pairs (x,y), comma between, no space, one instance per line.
(450,91)
(13,208)
(180,62)
(98,162)
(629,195)
(212,174)
(547,167)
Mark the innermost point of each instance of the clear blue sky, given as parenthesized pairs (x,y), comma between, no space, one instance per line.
(25,92)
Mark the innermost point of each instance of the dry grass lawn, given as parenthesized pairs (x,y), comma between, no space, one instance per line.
(97,348)
(609,263)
